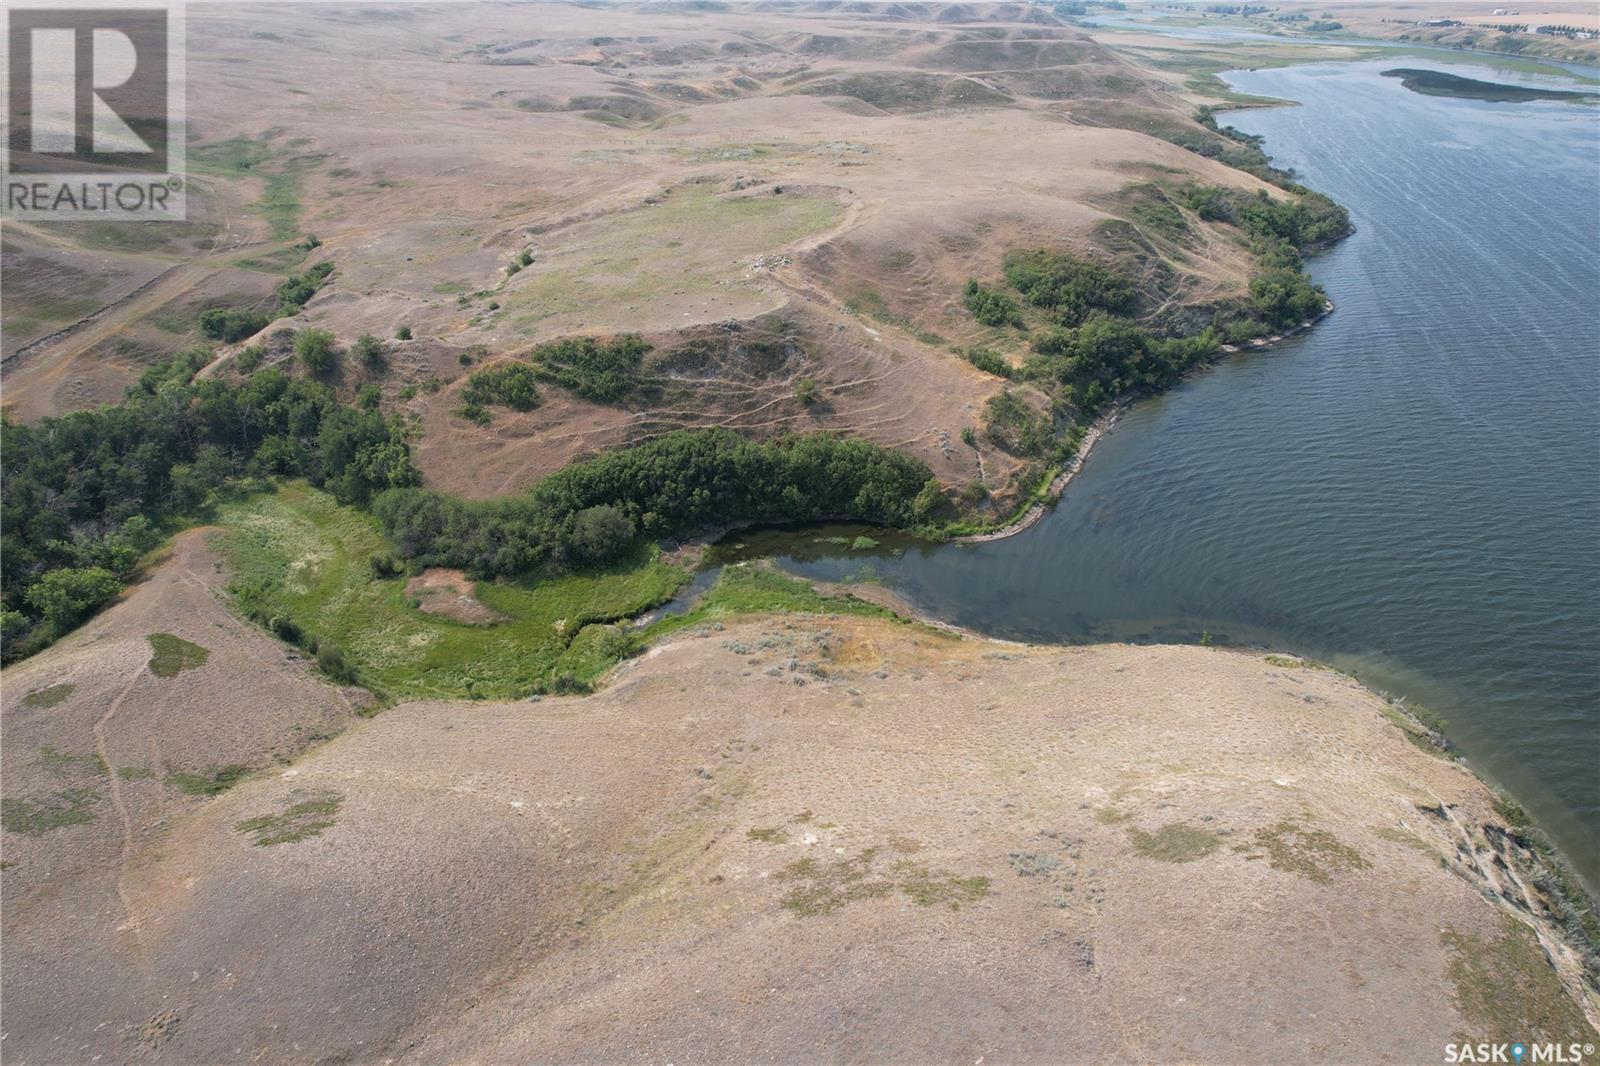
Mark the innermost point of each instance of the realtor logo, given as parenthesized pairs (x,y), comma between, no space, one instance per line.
(94,109)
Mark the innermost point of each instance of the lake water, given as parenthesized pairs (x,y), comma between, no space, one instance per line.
(1411,491)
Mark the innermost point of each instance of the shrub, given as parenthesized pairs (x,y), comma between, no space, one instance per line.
(674,485)
(604,371)
(249,359)
(369,397)
(384,565)
(989,307)
(316,350)
(1285,297)
(66,596)
(229,326)
(600,533)
(1014,427)
(286,630)
(403,333)
(370,351)
(805,390)
(293,292)
(1069,287)
(989,362)
(512,385)
(331,661)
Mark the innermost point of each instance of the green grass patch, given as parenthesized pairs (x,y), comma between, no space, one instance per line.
(1314,854)
(301,557)
(1506,988)
(1177,842)
(47,697)
(280,204)
(63,763)
(819,888)
(685,244)
(214,783)
(308,816)
(69,806)
(171,656)
(746,588)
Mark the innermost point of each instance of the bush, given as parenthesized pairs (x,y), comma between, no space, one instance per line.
(511,385)
(989,362)
(1014,427)
(603,371)
(293,292)
(66,596)
(675,485)
(85,495)
(599,533)
(331,661)
(403,333)
(1071,288)
(316,351)
(286,630)
(805,390)
(369,397)
(1285,298)
(989,307)
(383,565)
(370,351)
(249,359)
(229,326)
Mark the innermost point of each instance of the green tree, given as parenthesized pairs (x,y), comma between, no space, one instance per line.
(316,351)
(600,533)
(66,596)
(370,352)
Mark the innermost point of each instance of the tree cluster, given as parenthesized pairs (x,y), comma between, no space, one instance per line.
(85,495)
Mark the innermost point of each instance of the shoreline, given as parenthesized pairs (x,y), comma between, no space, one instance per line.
(1103,425)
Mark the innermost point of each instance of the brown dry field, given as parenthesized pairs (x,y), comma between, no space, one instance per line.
(833,173)
(797,839)
(792,838)
(1393,19)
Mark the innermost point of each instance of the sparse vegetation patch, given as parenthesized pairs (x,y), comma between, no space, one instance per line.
(1506,988)
(69,806)
(47,697)
(1177,842)
(212,783)
(822,888)
(303,817)
(171,656)
(1315,854)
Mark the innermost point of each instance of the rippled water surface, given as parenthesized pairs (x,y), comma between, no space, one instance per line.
(1412,491)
